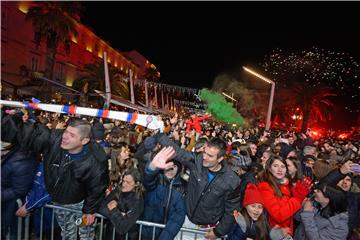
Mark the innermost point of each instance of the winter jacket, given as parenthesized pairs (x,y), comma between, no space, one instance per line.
(164,203)
(315,227)
(353,197)
(17,173)
(195,123)
(18,169)
(238,234)
(38,196)
(207,202)
(280,209)
(125,215)
(71,181)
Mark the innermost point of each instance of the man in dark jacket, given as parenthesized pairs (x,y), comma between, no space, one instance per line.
(337,177)
(17,173)
(76,176)
(164,201)
(18,168)
(211,191)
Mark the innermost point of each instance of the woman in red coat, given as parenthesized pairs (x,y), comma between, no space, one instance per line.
(280,199)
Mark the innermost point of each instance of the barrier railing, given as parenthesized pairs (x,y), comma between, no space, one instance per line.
(23,232)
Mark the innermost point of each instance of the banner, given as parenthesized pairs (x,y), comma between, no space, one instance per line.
(148,121)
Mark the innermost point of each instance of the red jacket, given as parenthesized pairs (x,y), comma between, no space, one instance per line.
(281,210)
(195,123)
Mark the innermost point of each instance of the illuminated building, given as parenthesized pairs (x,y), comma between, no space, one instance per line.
(22,61)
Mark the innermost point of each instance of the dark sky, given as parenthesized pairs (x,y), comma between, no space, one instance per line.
(193,42)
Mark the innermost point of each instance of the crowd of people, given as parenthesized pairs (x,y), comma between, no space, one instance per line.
(195,173)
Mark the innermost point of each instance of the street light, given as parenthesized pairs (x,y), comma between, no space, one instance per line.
(267,126)
(228,96)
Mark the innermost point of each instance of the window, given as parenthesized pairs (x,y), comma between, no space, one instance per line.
(4,18)
(34,63)
(59,72)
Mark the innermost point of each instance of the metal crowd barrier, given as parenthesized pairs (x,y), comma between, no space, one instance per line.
(23,233)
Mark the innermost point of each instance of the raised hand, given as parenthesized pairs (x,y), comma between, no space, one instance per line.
(346,167)
(162,158)
(240,220)
(301,189)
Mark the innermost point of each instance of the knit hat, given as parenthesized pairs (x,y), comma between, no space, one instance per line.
(239,161)
(149,143)
(252,195)
(98,131)
(285,150)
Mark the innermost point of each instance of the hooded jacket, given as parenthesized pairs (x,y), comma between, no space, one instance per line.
(164,203)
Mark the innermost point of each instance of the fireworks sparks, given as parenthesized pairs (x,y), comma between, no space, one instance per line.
(317,67)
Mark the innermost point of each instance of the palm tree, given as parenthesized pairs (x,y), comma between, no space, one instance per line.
(151,74)
(313,102)
(94,79)
(53,23)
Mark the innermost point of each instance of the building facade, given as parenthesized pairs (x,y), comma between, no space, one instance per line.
(22,61)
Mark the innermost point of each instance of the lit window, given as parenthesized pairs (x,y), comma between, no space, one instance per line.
(89,49)
(24,7)
(69,81)
(73,39)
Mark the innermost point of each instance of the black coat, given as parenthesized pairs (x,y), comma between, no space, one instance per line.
(208,202)
(125,215)
(72,181)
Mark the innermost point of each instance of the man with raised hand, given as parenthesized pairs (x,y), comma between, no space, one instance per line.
(211,191)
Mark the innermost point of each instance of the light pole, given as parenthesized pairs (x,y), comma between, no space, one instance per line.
(268,117)
(231,97)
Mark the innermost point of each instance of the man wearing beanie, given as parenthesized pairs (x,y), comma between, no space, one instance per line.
(98,131)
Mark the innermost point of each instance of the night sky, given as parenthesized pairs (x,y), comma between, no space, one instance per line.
(193,42)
